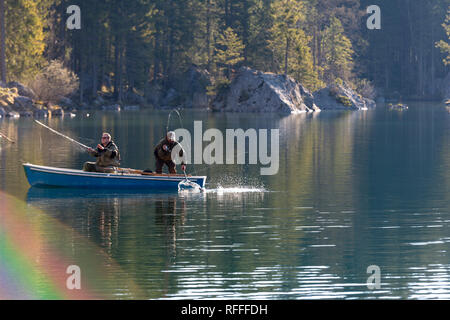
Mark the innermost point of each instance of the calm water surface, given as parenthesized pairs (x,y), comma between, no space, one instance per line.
(354,189)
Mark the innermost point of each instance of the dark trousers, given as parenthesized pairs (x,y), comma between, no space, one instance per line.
(160,163)
(93,167)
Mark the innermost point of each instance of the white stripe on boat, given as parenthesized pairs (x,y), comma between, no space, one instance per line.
(74,172)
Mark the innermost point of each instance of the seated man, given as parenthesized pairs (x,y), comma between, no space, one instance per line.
(163,153)
(107,154)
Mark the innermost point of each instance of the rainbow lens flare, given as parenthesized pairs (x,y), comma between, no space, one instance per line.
(34,262)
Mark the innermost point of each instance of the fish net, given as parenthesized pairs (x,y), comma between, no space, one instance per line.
(189,186)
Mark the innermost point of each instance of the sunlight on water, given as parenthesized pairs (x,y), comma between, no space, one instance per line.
(221,190)
(353,190)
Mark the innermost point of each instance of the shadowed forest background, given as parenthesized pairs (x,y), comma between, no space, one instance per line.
(135,45)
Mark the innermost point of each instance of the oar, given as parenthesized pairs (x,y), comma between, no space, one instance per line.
(62,135)
(8,139)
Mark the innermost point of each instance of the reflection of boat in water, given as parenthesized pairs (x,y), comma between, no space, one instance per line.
(44,193)
(71,178)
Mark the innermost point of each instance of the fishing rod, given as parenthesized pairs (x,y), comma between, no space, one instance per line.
(62,135)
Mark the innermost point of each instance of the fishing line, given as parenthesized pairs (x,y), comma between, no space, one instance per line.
(181,126)
(168,119)
(84,147)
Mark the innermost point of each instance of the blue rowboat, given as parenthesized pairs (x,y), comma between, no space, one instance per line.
(71,178)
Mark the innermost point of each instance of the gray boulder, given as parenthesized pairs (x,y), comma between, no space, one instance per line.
(341,97)
(193,88)
(66,103)
(131,108)
(26,113)
(134,98)
(57,112)
(114,107)
(256,91)
(188,90)
(22,89)
(23,102)
(40,113)
(99,101)
(171,98)
(12,114)
(153,93)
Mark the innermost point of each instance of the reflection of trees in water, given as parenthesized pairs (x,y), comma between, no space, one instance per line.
(96,219)
(317,156)
(108,221)
(8,151)
(104,220)
(169,215)
(34,144)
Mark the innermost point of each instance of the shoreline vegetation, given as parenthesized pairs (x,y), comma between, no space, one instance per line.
(285,56)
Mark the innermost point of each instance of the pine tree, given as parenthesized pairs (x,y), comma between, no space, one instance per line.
(229,51)
(24,41)
(444,45)
(259,54)
(302,65)
(2,42)
(285,32)
(290,44)
(337,51)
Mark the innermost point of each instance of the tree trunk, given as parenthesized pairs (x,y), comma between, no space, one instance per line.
(245,27)
(208,34)
(227,14)
(156,64)
(2,42)
(121,69)
(286,57)
(314,49)
(94,57)
(118,69)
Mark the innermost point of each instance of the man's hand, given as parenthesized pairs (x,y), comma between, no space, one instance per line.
(90,150)
(183,167)
(165,147)
(100,147)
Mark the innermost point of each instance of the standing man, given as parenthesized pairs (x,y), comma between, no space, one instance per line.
(163,153)
(107,154)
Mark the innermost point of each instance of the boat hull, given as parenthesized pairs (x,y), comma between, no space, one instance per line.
(70,178)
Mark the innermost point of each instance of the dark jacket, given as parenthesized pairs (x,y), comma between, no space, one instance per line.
(107,157)
(164,155)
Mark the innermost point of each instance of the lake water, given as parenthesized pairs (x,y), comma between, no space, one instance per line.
(354,189)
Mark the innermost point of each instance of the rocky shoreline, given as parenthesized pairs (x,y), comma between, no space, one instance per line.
(17,100)
(256,91)
(249,91)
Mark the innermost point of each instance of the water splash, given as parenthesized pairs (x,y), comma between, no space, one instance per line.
(238,189)
(189,186)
